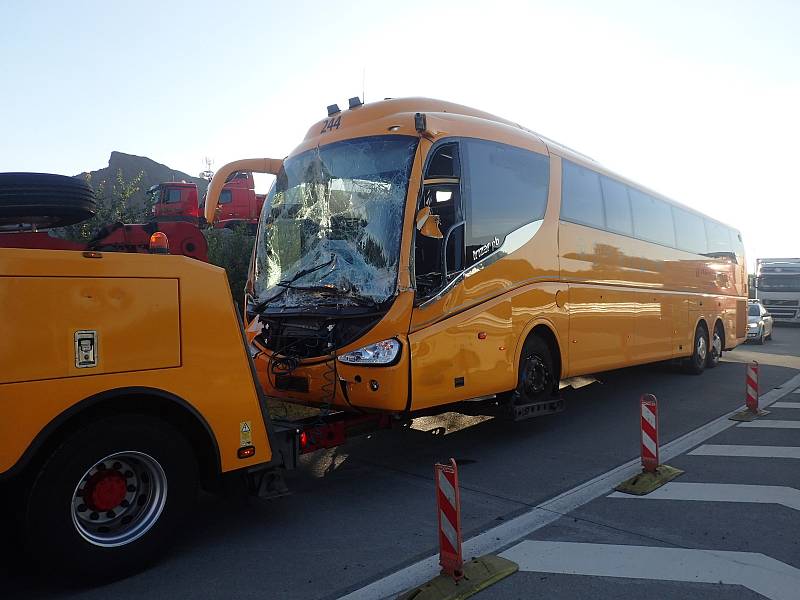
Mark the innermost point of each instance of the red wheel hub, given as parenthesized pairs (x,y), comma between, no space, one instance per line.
(105,490)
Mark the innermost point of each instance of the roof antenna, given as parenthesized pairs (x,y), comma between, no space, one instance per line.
(364,84)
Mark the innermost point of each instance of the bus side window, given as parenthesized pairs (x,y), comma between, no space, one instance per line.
(441,192)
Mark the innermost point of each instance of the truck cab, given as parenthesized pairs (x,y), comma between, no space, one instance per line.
(175,200)
(238,202)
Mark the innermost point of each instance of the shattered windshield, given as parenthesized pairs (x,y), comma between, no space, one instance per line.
(332,229)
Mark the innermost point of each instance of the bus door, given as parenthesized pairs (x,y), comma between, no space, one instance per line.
(460,349)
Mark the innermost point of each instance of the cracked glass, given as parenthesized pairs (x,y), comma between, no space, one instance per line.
(331,231)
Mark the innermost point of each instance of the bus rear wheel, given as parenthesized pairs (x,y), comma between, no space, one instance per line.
(696,363)
(715,348)
(106,502)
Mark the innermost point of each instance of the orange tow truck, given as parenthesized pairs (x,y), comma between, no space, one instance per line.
(126,383)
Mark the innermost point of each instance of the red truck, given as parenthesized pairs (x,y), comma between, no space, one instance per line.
(238,202)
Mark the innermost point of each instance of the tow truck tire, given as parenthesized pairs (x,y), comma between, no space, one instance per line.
(44,200)
(106,502)
(696,363)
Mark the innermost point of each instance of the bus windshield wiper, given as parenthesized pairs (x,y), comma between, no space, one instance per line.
(354,296)
(285,285)
(288,284)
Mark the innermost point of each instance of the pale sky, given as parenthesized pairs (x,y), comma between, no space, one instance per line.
(697,100)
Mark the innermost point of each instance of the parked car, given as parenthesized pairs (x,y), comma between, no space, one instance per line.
(759,322)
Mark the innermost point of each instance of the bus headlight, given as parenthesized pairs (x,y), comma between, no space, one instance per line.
(381,353)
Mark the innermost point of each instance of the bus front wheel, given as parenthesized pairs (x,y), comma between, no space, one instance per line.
(535,382)
(696,363)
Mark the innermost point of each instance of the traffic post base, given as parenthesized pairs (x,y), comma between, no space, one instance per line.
(479,573)
(647,481)
(748,415)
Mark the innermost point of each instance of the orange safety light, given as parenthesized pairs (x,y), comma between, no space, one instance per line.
(159,244)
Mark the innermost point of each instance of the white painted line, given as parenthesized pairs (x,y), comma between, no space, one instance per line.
(722,492)
(764,575)
(786,405)
(772,423)
(749,451)
(551,510)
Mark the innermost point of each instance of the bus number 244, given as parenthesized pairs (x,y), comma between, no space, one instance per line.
(331,124)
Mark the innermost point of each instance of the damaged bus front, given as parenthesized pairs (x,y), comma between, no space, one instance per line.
(325,301)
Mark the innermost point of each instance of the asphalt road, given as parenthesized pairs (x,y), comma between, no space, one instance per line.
(366,510)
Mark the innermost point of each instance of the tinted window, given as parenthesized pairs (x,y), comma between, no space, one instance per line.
(225,197)
(690,232)
(718,236)
(652,218)
(173,196)
(506,189)
(581,200)
(617,205)
(444,163)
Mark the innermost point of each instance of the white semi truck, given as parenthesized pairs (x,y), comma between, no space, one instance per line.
(778,287)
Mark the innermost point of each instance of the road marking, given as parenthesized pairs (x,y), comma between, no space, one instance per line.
(722,492)
(786,405)
(749,451)
(551,510)
(764,575)
(772,423)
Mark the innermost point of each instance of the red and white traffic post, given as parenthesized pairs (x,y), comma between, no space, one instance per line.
(649,421)
(751,387)
(448,500)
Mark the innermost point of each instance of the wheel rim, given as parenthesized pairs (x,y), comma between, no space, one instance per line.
(716,347)
(119,499)
(536,377)
(701,348)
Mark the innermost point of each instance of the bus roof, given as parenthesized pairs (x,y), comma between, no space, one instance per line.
(366,118)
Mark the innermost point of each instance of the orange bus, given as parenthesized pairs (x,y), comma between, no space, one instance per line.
(417,253)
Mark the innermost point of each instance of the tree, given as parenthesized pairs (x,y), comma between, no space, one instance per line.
(115,205)
(231,249)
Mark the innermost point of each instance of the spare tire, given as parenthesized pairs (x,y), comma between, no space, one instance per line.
(44,200)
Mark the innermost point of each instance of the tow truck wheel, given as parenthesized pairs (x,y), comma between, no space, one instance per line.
(44,200)
(105,503)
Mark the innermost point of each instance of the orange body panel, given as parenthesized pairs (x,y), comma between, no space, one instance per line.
(163,322)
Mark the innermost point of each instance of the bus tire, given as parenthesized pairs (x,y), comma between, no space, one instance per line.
(715,347)
(535,380)
(106,501)
(696,363)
